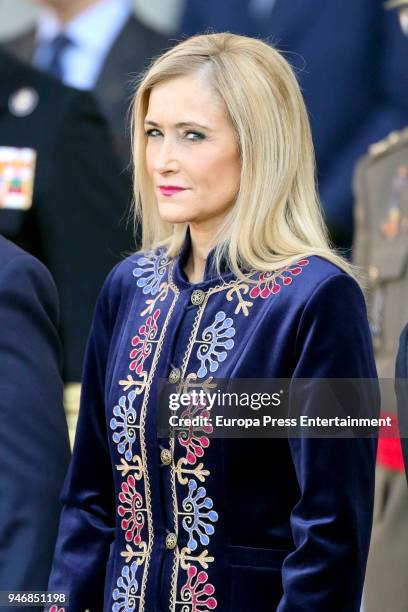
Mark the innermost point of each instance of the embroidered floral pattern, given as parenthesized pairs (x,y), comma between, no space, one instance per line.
(151,271)
(124,425)
(270,283)
(127,588)
(199,515)
(197,591)
(193,507)
(131,509)
(143,342)
(191,438)
(215,341)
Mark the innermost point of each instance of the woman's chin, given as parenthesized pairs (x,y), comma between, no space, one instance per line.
(174,216)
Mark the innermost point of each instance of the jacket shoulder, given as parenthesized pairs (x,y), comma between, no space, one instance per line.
(11,253)
(317,272)
(135,29)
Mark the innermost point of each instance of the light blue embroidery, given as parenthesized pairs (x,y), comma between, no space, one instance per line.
(199,514)
(215,337)
(125,595)
(151,272)
(125,424)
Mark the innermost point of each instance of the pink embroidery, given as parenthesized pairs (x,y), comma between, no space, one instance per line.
(196,592)
(142,342)
(190,438)
(270,283)
(132,503)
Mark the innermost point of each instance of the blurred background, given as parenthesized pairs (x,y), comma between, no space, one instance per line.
(165,16)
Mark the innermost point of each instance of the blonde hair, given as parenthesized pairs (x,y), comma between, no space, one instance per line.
(277,203)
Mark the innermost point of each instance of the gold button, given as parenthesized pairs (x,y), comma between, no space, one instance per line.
(174,375)
(197,297)
(171,541)
(165,456)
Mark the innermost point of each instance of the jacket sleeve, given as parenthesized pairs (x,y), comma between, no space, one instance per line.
(331,521)
(34,443)
(87,522)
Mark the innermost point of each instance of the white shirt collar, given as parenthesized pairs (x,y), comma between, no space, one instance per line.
(95,28)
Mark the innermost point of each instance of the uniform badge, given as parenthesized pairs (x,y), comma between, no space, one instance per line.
(396,221)
(23,101)
(17,167)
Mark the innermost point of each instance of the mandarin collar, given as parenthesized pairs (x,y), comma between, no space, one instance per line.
(211,276)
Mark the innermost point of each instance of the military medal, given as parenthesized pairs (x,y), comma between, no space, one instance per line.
(17,167)
(395,222)
(23,101)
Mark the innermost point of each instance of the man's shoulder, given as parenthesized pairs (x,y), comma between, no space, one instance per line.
(19,268)
(134,26)
(21,45)
(10,251)
(134,47)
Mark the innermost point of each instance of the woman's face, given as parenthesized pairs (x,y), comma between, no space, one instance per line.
(192,155)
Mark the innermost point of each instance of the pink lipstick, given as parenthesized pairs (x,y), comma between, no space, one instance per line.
(169,190)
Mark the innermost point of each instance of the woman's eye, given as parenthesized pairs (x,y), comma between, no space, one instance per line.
(194,135)
(153,132)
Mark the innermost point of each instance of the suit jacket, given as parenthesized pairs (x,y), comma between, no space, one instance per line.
(33,431)
(401,376)
(350,58)
(76,224)
(238,524)
(130,53)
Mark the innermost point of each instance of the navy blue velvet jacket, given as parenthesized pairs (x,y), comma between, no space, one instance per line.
(258,524)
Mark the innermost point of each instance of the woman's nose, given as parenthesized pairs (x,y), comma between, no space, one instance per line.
(166,159)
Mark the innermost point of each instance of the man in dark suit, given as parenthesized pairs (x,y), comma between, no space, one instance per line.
(98,45)
(75,222)
(351,60)
(34,447)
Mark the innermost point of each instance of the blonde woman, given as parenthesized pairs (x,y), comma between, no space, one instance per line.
(235,280)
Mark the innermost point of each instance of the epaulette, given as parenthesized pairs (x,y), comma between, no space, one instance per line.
(382,146)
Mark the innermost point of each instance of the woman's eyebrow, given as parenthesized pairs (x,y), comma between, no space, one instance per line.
(182,124)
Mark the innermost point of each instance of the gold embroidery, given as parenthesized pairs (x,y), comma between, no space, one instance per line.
(140,469)
(243,305)
(186,555)
(176,565)
(139,554)
(164,289)
(198,471)
(184,558)
(124,467)
(143,443)
(191,381)
(130,382)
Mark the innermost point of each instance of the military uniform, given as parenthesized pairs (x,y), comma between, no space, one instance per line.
(381,248)
(62,197)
